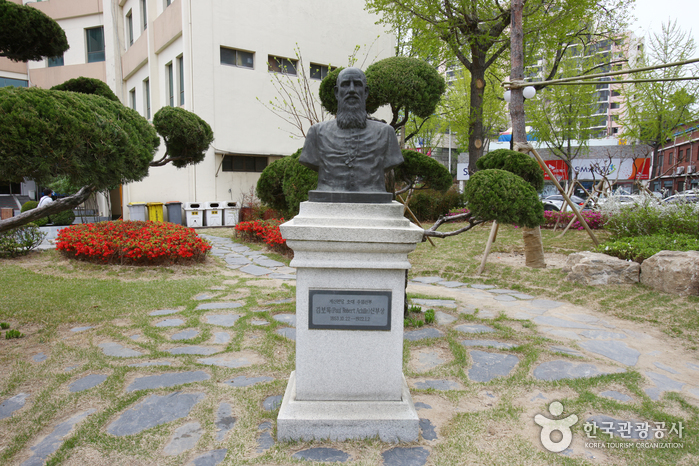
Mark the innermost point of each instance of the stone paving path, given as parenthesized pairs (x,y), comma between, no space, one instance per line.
(583,344)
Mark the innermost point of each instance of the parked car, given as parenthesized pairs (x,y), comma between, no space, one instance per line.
(621,199)
(556,202)
(682,198)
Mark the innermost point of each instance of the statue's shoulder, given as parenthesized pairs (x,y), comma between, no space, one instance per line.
(323,126)
(379,127)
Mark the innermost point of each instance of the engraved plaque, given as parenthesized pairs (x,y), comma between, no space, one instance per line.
(349,310)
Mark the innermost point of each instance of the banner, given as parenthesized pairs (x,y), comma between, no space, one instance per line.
(558,168)
(589,169)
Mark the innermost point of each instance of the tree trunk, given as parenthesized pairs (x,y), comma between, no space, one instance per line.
(475,127)
(533,248)
(60,205)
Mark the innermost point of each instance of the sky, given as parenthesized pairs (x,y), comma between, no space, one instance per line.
(651,14)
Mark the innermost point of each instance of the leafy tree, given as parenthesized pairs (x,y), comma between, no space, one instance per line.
(28,34)
(85,85)
(475,33)
(654,109)
(186,136)
(419,171)
(409,86)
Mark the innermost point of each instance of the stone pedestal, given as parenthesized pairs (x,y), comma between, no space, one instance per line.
(350,264)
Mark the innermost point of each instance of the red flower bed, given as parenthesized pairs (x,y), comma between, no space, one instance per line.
(266,231)
(143,243)
(594,219)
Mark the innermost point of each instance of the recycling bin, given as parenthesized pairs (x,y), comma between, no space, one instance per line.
(214,214)
(230,213)
(194,213)
(137,211)
(155,211)
(174,212)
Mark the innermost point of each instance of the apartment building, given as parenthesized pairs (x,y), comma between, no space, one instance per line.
(214,58)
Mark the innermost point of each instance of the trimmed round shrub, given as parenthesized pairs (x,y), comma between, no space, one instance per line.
(28,34)
(514,162)
(269,187)
(284,184)
(505,197)
(298,181)
(428,204)
(132,243)
(29,205)
(427,170)
(20,241)
(85,85)
(67,217)
(187,137)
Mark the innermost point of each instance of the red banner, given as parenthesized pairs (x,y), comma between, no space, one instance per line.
(558,168)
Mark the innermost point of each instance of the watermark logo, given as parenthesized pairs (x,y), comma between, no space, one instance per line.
(549,426)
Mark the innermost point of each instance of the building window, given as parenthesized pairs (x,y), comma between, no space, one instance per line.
(95,44)
(146,97)
(170,85)
(132,98)
(235,57)
(56,61)
(614,105)
(129,27)
(679,155)
(144,13)
(4,82)
(241,163)
(180,70)
(616,93)
(321,71)
(615,130)
(669,158)
(167,3)
(660,161)
(281,65)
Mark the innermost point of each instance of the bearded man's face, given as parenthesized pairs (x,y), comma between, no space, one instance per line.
(351,92)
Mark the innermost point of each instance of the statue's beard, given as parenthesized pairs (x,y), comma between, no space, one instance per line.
(351,116)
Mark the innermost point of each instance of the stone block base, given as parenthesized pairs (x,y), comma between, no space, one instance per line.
(391,421)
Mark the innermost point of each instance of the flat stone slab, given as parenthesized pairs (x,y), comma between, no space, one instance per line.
(560,323)
(482,287)
(282,276)
(154,411)
(222,320)
(80,329)
(210,458)
(287,332)
(233,360)
(694,367)
(452,284)
(584,318)
(185,334)
(427,280)
(86,382)
(256,270)
(151,363)
(265,441)
(210,306)
(505,298)
(426,359)
(163,312)
(289,319)
(441,385)
(467,310)
(118,351)
(602,335)
(487,366)
(266,262)
(224,420)
(615,427)
(326,455)
(443,318)
(243,381)
(54,440)
(40,357)
(237,260)
(560,369)
(486,314)
(615,395)
(571,335)
(615,350)
(665,367)
(566,350)
(428,303)
(427,429)
(272,402)
(420,405)
(493,343)
(11,405)
(184,438)
(258,322)
(663,382)
(170,323)
(167,380)
(474,328)
(405,456)
(429,332)
(502,291)
(221,338)
(545,303)
(203,297)
(198,350)
(522,296)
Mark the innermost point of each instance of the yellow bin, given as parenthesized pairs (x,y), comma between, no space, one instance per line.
(155,211)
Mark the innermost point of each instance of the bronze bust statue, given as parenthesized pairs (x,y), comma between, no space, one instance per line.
(351,153)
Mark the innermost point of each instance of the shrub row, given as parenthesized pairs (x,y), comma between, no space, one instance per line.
(653,220)
(595,220)
(133,243)
(641,248)
(266,231)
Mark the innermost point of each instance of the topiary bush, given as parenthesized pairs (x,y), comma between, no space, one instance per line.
(133,243)
(514,162)
(284,184)
(67,217)
(503,196)
(20,241)
(429,205)
(427,170)
(85,85)
(187,137)
(28,34)
(29,205)
(641,248)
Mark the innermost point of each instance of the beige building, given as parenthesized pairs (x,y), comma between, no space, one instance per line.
(215,58)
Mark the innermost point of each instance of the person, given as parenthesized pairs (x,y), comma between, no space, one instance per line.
(352,152)
(47,198)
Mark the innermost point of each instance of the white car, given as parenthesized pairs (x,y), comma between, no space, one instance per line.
(556,202)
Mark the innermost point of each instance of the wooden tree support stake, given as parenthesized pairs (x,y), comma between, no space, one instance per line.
(491,240)
(400,199)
